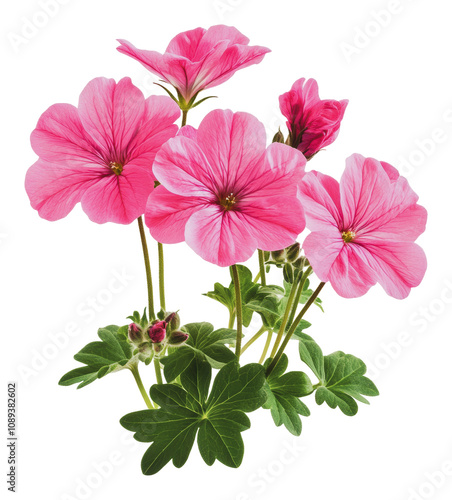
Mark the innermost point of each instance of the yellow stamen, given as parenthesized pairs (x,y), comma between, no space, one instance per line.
(348,236)
(228,202)
(116,167)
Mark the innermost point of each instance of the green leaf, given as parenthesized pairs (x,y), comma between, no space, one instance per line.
(101,358)
(283,393)
(204,344)
(220,417)
(341,377)
(226,295)
(344,383)
(312,355)
(267,303)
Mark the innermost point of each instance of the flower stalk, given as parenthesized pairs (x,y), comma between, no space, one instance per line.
(147,265)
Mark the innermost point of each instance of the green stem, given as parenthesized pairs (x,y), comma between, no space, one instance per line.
(298,295)
(161,277)
(158,371)
(253,339)
(293,328)
(266,346)
(148,269)
(238,309)
(231,320)
(136,376)
(256,279)
(261,266)
(282,327)
(184,117)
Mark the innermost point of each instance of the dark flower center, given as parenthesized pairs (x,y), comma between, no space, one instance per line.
(116,167)
(228,202)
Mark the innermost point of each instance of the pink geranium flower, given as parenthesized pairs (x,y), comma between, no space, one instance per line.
(224,193)
(312,123)
(198,59)
(363,230)
(99,154)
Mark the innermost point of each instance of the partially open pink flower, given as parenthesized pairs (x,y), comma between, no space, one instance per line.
(312,123)
(99,154)
(224,193)
(198,59)
(157,331)
(363,230)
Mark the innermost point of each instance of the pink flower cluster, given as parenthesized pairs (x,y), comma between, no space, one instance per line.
(221,189)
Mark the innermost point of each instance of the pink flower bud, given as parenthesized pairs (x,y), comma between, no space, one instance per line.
(177,338)
(157,331)
(134,333)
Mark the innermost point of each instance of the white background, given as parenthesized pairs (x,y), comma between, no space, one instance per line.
(399,84)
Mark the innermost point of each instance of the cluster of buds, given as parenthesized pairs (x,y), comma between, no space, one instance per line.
(157,335)
(289,259)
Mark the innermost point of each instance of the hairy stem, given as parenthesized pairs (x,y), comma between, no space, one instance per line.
(231,320)
(262,267)
(136,376)
(282,328)
(293,328)
(253,339)
(184,117)
(238,309)
(158,371)
(266,346)
(298,295)
(147,265)
(161,277)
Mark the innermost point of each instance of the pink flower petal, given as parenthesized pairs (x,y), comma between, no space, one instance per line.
(398,266)
(183,169)
(189,132)
(187,44)
(157,126)
(274,223)
(369,198)
(169,67)
(219,237)
(167,214)
(60,137)
(54,189)
(111,113)
(281,172)
(222,65)
(120,198)
(320,197)
(322,248)
(234,145)
(350,275)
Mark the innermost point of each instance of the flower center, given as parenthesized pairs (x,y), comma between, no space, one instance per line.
(228,202)
(116,167)
(348,236)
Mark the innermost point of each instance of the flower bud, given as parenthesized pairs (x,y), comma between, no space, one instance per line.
(177,338)
(135,333)
(293,252)
(157,331)
(278,137)
(173,321)
(288,273)
(278,255)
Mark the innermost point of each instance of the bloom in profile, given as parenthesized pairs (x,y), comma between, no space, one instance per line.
(224,193)
(198,59)
(99,154)
(313,123)
(363,229)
